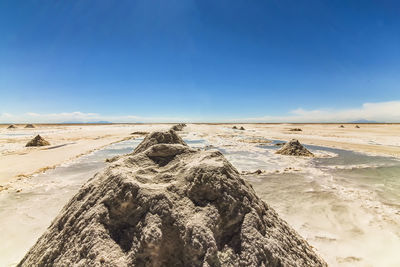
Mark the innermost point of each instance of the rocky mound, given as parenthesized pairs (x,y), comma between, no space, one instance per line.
(38,141)
(169,205)
(294,148)
(12,126)
(30,126)
(295,130)
(234,128)
(169,137)
(357,126)
(341,126)
(178,127)
(241,128)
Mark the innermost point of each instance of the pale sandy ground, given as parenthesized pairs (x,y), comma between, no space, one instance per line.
(379,139)
(67,142)
(71,141)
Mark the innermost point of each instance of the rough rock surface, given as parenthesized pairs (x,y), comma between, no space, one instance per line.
(30,126)
(38,141)
(12,126)
(178,127)
(294,148)
(169,205)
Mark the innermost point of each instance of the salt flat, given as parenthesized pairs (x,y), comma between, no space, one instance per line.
(341,202)
(71,141)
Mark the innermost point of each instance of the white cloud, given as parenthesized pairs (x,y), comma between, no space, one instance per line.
(381,112)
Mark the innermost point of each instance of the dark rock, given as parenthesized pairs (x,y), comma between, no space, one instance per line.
(139,133)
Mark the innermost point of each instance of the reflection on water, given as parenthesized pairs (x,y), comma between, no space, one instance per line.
(346,205)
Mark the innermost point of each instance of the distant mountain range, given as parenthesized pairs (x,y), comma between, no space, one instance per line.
(364,121)
(82,122)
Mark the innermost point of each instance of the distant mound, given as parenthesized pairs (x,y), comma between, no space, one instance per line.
(139,133)
(341,126)
(357,126)
(169,137)
(169,205)
(30,126)
(37,141)
(234,128)
(294,148)
(295,130)
(178,127)
(241,128)
(12,126)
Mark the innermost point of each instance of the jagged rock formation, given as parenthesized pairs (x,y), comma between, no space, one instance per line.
(169,205)
(294,148)
(38,141)
(30,126)
(12,126)
(178,127)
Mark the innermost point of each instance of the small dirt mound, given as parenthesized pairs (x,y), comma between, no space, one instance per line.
(341,126)
(294,148)
(38,141)
(357,126)
(295,130)
(178,127)
(139,133)
(234,128)
(12,126)
(30,126)
(169,137)
(242,128)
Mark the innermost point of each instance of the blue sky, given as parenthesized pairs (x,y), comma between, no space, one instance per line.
(199,60)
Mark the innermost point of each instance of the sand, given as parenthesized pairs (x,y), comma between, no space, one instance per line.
(71,141)
(67,143)
(379,139)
